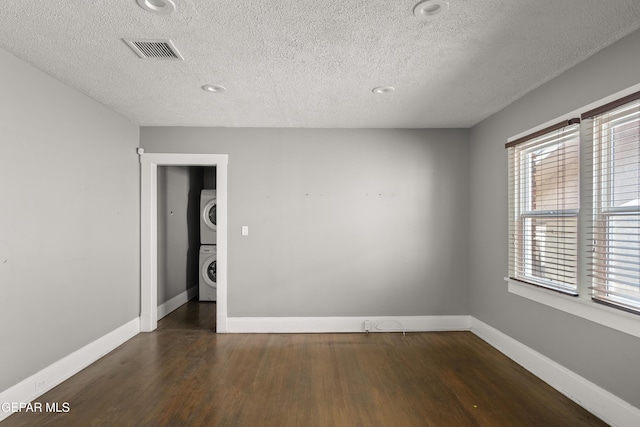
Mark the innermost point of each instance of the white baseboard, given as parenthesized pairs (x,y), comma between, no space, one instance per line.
(346,324)
(38,384)
(606,406)
(177,301)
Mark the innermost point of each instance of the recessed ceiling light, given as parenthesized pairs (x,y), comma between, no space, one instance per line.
(160,7)
(430,9)
(214,88)
(383,89)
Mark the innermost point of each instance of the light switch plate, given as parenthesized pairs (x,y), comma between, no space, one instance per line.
(245,230)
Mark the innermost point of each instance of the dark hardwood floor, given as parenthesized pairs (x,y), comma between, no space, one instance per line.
(193,316)
(184,374)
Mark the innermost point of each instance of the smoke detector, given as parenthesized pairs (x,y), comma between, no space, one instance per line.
(155,49)
(159,7)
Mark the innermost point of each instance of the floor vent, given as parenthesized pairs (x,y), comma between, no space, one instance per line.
(154,49)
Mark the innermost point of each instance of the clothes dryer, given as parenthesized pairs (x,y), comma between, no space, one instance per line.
(208,227)
(208,281)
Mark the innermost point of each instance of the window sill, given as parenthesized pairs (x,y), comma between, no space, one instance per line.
(587,309)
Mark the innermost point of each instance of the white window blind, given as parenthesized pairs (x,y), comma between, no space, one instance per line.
(612,142)
(543,207)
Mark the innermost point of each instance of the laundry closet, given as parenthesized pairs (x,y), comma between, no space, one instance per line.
(186,235)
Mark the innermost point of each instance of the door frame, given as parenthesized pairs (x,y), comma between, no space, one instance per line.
(149,231)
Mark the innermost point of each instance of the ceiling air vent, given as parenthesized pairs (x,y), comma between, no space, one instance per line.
(155,49)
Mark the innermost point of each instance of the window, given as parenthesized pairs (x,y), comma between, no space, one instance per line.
(574,212)
(612,140)
(543,207)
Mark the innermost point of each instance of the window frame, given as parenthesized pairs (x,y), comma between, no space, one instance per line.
(604,211)
(582,305)
(521,175)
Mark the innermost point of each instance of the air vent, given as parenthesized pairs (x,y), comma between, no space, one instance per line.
(154,49)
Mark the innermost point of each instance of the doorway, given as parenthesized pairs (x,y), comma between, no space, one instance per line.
(149,236)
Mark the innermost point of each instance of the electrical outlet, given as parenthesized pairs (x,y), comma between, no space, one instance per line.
(367,325)
(40,384)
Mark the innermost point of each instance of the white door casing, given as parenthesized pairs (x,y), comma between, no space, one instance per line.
(149,231)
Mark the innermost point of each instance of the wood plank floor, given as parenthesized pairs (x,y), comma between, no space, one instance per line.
(184,374)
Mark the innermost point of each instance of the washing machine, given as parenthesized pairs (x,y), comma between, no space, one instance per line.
(208,287)
(208,226)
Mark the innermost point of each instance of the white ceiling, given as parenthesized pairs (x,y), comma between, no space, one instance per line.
(303,63)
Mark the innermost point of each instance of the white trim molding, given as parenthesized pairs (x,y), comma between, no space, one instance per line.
(38,384)
(149,230)
(177,301)
(607,316)
(347,324)
(593,398)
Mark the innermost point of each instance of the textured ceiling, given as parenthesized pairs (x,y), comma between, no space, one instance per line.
(302,63)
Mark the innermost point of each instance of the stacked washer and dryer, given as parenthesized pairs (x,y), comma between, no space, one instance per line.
(208,283)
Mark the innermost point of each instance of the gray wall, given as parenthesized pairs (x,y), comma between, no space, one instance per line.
(178,229)
(341,222)
(69,220)
(602,355)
